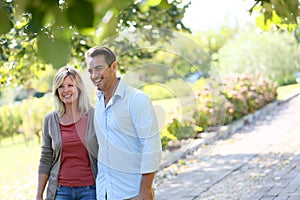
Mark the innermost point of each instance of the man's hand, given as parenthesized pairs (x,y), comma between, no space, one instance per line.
(146,195)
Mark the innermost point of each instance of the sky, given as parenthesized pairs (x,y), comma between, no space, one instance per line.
(210,14)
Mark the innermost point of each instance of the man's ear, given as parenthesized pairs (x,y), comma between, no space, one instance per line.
(114,66)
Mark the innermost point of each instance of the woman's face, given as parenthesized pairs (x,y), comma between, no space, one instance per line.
(68,92)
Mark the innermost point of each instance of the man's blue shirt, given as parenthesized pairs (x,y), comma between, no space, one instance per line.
(129,142)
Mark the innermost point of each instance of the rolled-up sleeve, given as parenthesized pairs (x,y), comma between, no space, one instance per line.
(145,121)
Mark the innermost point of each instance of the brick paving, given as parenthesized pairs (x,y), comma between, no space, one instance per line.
(285,185)
(282,127)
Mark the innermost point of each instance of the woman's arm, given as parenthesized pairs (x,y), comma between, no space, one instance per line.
(46,160)
(42,181)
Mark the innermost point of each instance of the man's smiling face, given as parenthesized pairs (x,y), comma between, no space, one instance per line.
(100,73)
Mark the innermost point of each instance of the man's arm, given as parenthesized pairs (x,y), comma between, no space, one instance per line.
(146,190)
(145,122)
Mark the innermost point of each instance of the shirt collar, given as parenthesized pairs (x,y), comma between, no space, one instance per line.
(99,94)
(121,88)
(119,91)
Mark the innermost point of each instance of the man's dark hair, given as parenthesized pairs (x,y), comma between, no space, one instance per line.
(109,56)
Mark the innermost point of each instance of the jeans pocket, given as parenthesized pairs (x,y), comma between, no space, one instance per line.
(91,187)
(63,192)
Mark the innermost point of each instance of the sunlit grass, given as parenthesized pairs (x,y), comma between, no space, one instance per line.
(285,91)
(169,105)
(18,169)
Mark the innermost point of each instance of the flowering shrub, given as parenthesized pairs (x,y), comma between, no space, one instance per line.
(221,103)
(248,93)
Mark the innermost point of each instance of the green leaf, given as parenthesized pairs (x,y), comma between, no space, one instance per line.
(81,14)
(109,28)
(275,18)
(5,24)
(262,23)
(153,2)
(268,7)
(54,51)
(36,22)
(144,8)
(165,5)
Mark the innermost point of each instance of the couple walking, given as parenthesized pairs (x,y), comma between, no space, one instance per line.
(108,152)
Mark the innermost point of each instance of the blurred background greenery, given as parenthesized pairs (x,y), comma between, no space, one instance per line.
(196,79)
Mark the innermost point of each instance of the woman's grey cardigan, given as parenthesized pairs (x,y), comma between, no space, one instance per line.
(50,160)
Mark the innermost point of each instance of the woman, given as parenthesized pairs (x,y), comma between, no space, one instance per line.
(69,144)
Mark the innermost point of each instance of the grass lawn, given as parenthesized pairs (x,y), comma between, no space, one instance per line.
(165,107)
(285,91)
(18,169)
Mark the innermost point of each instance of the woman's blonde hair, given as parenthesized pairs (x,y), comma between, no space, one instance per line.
(83,103)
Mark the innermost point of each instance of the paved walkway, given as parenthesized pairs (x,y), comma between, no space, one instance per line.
(278,132)
(286,184)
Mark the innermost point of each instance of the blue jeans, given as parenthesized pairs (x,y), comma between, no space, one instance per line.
(76,193)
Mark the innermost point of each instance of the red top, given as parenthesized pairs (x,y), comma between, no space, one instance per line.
(75,164)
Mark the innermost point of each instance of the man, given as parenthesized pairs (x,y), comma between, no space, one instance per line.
(127,132)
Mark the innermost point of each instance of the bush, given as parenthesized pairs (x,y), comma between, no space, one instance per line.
(10,120)
(274,54)
(248,93)
(35,109)
(24,117)
(220,104)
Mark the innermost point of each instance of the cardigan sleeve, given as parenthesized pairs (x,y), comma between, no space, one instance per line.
(46,158)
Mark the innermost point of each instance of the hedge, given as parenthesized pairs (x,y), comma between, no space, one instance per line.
(219,104)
